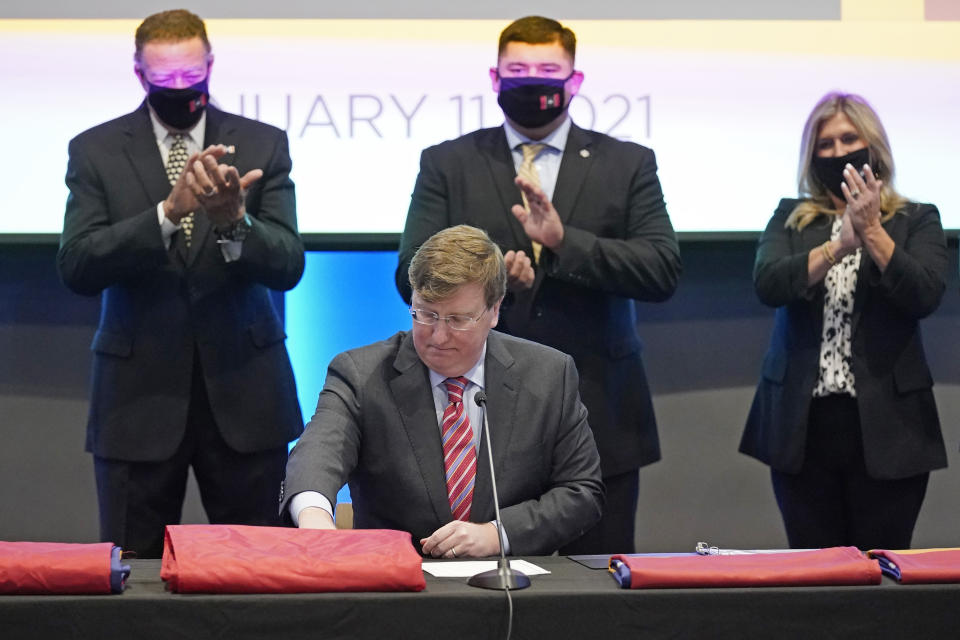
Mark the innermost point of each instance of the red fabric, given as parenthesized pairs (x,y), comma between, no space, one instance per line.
(244,559)
(919,567)
(834,566)
(54,567)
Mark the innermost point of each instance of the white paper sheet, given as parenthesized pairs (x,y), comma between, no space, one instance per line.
(467,568)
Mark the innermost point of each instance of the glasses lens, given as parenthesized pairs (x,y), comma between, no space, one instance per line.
(460,323)
(423,317)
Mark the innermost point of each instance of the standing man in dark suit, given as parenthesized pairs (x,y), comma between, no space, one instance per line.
(184,218)
(585,231)
(398,419)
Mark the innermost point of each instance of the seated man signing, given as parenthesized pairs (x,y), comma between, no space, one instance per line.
(397,420)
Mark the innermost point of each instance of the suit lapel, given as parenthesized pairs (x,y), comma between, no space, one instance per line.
(574,167)
(499,159)
(862,288)
(501,385)
(144,155)
(815,234)
(413,397)
(864,272)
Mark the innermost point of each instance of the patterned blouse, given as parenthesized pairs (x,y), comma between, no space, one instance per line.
(836,376)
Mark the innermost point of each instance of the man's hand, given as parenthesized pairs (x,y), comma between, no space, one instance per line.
(519,270)
(182,199)
(219,188)
(315,518)
(459,539)
(542,223)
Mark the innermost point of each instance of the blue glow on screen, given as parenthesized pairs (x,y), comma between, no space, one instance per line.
(345,299)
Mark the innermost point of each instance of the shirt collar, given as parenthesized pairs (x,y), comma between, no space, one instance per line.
(556,140)
(196,134)
(474,374)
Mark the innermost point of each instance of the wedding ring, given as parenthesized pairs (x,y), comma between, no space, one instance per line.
(211,191)
(453,552)
(855,194)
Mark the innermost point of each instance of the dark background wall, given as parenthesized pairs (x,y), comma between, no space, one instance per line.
(703,353)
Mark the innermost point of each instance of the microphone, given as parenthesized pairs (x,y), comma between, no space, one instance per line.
(503,577)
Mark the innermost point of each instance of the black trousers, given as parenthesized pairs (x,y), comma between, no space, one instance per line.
(615,532)
(833,501)
(138,499)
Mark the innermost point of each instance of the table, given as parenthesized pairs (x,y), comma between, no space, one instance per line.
(572,602)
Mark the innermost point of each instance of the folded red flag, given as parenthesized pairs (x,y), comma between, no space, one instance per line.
(920,566)
(58,568)
(244,559)
(833,566)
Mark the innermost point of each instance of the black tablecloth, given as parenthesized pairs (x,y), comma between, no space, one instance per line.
(572,602)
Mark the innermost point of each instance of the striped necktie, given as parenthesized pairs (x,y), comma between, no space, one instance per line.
(528,171)
(459,454)
(176,161)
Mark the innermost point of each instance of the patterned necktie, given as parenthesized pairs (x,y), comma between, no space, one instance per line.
(459,456)
(176,161)
(528,171)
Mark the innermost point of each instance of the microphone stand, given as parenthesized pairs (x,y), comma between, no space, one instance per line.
(503,577)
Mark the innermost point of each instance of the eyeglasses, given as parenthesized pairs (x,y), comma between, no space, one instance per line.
(456,322)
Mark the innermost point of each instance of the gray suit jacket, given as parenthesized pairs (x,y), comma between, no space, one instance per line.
(376,427)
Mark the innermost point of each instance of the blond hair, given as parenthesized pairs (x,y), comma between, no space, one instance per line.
(816,196)
(454,257)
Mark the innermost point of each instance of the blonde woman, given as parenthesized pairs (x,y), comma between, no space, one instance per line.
(844,412)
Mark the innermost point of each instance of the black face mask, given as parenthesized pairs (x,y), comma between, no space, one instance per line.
(532,102)
(179,108)
(829,171)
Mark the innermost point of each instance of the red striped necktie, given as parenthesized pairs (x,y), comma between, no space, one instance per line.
(459,455)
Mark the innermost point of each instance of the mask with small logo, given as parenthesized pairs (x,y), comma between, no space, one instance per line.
(532,102)
(179,108)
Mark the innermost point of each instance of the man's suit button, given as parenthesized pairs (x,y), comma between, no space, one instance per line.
(538,312)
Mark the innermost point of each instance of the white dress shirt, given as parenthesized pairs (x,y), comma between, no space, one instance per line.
(548,160)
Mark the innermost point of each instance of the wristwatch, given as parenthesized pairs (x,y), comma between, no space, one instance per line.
(236,232)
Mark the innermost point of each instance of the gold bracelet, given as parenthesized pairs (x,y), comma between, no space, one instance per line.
(827,254)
